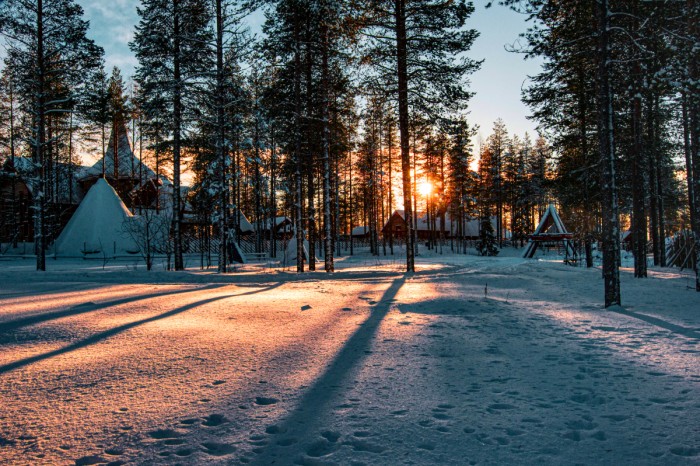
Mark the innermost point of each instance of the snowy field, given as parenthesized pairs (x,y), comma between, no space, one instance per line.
(469,361)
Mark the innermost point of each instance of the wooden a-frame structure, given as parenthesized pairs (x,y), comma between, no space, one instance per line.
(550,230)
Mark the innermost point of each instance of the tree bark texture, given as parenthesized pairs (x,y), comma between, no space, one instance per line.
(611,221)
(402,74)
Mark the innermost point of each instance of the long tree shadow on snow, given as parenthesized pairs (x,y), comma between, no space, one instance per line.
(122,328)
(345,364)
(15,324)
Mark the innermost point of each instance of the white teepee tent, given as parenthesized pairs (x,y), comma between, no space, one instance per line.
(97,226)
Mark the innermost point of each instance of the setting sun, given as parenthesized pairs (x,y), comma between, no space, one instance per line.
(425,188)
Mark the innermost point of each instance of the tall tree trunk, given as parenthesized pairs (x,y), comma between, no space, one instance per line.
(660,175)
(402,74)
(583,134)
(336,214)
(70,159)
(351,210)
(692,13)
(391,191)
(220,138)
(611,221)
(311,166)
(177,142)
(14,227)
(38,152)
(652,162)
(273,193)
(327,246)
(297,149)
(688,159)
(639,219)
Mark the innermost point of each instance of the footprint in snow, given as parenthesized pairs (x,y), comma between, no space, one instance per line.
(320,448)
(214,420)
(275,429)
(683,450)
(218,449)
(503,441)
(162,434)
(184,452)
(580,424)
(114,451)
(616,417)
(258,440)
(265,401)
(500,406)
(364,445)
(87,460)
(286,442)
(331,436)
(574,435)
(174,441)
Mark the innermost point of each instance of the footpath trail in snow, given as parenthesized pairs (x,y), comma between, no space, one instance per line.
(473,361)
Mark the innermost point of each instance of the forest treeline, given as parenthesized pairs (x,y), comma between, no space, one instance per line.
(339,110)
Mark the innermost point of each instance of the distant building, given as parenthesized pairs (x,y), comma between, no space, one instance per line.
(137,185)
(135,182)
(396,225)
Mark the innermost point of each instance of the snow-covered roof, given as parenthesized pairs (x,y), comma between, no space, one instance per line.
(128,165)
(245,225)
(360,231)
(24,167)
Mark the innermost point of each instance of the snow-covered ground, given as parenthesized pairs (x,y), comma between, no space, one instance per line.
(469,361)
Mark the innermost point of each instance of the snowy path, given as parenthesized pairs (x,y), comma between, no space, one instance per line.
(351,370)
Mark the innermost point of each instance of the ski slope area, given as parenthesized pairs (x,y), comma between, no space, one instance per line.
(469,361)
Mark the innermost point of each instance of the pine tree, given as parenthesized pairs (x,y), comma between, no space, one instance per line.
(487,244)
(461,182)
(50,53)
(171,44)
(10,139)
(418,47)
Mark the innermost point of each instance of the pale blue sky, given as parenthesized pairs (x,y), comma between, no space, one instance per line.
(497,84)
